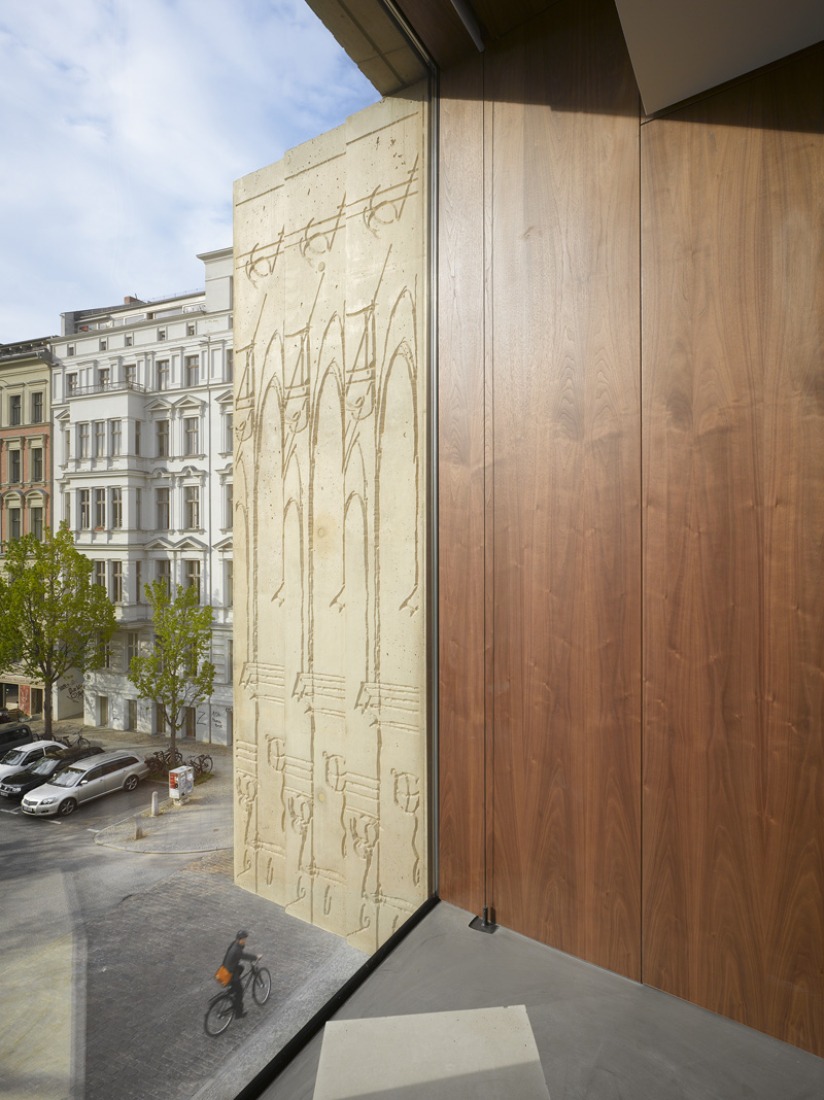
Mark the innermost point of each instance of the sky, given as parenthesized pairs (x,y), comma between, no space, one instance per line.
(123,124)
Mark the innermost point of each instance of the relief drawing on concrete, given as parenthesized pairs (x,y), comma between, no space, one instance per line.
(331,301)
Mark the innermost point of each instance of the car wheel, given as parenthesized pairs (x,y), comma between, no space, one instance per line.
(67,807)
(130,783)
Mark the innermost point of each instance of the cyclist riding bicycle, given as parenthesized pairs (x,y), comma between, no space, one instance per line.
(233,961)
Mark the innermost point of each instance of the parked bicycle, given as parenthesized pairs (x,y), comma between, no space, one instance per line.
(162,760)
(201,764)
(80,742)
(221,1010)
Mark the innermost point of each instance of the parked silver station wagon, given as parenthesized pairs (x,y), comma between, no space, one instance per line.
(85,780)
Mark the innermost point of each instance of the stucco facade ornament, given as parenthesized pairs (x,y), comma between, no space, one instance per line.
(329,533)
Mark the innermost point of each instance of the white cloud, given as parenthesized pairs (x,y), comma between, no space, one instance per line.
(122,127)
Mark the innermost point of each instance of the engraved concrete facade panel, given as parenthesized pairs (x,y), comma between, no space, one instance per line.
(330,653)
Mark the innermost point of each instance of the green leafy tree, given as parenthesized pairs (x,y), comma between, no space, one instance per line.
(177,673)
(55,619)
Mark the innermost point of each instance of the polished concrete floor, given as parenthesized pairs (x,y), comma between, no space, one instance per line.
(599,1036)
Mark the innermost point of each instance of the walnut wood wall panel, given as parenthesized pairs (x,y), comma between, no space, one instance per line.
(733,302)
(565,363)
(462,512)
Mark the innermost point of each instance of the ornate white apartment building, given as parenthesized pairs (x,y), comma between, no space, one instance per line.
(142,416)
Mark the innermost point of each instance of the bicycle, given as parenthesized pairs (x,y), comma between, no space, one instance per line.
(221,1010)
(162,760)
(80,742)
(202,764)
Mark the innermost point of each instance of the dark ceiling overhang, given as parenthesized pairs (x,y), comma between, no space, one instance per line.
(678,48)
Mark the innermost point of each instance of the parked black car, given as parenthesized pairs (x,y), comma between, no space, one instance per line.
(14,734)
(19,783)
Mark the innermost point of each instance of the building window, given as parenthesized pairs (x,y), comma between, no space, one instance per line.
(164,574)
(128,340)
(162,509)
(103,700)
(85,517)
(71,381)
(138,432)
(100,573)
(229,583)
(115,436)
(192,506)
(130,373)
(230,365)
(14,523)
(131,714)
(192,369)
(99,438)
(103,375)
(132,647)
(36,522)
(15,467)
(229,430)
(161,334)
(162,438)
(138,582)
(230,504)
(37,464)
(104,346)
(190,435)
(117,507)
(230,660)
(191,328)
(162,373)
(37,408)
(192,575)
(138,509)
(66,507)
(83,440)
(116,587)
(99,509)
(70,351)
(15,409)
(67,444)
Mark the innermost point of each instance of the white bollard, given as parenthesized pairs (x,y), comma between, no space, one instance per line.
(154,803)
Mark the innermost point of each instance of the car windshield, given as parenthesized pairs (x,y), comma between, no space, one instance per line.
(68,778)
(14,756)
(45,766)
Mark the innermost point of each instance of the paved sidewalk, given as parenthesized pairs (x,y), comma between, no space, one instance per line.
(201,822)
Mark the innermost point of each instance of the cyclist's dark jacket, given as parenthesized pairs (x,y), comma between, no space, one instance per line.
(234,956)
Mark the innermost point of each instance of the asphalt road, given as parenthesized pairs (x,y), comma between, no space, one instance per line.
(112,957)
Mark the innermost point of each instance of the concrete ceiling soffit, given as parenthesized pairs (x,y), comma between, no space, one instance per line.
(373,40)
(679,49)
(448,31)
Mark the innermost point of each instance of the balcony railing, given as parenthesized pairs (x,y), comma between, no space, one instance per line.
(104,387)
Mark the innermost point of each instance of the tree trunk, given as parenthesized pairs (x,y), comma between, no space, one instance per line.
(47,709)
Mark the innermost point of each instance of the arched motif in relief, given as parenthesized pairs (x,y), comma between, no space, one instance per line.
(356,587)
(268,459)
(326,522)
(401,338)
(399,595)
(330,356)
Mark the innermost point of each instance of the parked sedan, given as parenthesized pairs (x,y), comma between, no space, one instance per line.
(85,780)
(24,780)
(16,759)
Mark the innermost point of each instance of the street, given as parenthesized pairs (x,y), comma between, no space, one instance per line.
(109,956)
